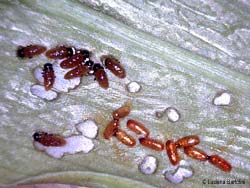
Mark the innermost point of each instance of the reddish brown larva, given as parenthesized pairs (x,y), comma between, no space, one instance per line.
(115,67)
(49,76)
(49,139)
(78,71)
(59,52)
(72,61)
(101,76)
(30,51)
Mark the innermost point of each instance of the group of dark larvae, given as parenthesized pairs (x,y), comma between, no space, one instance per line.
(79,60)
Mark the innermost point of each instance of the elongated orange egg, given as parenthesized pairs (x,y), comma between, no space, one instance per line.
(125,138)
(121,112)
(172,152)
(187,141)
(111,129)
(196,153)
(137,127)
(220,163)
(152,143)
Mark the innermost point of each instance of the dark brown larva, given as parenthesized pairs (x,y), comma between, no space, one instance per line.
(47,139)
(30,51)
(114,66)
(49,76)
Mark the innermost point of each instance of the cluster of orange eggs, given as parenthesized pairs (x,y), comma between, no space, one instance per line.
(78,60)
(188,142)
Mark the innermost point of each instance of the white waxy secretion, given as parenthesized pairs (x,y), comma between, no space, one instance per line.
(88,128)
(60,84)
(222,99)
(173,114)
(148,165)
(133,87)
(74,144)
(40,92)
(179,174)
(174,177)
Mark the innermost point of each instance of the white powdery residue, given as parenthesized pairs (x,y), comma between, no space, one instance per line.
(88,128)
(38,74)
(61,84)
(40,92)
(133,87)
(222,99)
(74,144)
(173,114)
(148,165)
(178,175)
(174,177)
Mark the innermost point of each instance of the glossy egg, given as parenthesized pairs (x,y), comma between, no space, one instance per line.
(152,144)
(187,141)
(125,138)
(196,153)
(111,129)
(220,163)
(137,127)
(172,152)
(121,112)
